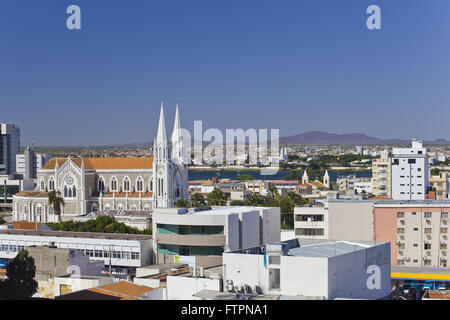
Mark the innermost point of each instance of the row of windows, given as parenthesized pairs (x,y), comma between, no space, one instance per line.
(444,215)
(11,248)
(88,252)
(126,184)
(426,230)
(114,254)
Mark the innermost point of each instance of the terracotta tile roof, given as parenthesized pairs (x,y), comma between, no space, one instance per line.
(33,194)
(318,184)
(379,198)
(123,289)
(104,163)
(25,225)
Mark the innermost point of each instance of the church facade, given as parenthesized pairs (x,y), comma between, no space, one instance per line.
(90,185)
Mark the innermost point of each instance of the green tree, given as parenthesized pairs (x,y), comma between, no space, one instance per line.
(20,283)
(217,198)
(293,175)
(255,200)
(435,171)
(238,203)
(286,205)
(245,176)
(197,200)
(55,200)
(2,221)
(181,203)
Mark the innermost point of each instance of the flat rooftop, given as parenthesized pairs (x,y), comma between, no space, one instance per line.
(413,203)
(327,249)
(225,210)
(70,234)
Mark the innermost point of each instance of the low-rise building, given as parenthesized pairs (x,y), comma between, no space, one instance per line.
(320,269)
(203,235)
(123,252)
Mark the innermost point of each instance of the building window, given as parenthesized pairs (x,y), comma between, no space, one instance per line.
(427,246)
(400,230)
(427,214)
(444,215)
(428,230)
(101,185)
(411,160)
(140,185)
(443,230)
(126,185)
(51,184)
(42,184)
(113,184)
(415,245)
(400,214)
(416,229)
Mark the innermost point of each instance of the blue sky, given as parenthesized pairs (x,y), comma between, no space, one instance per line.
(296,65)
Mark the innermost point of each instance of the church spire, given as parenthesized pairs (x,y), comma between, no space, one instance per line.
(176,134)
(162,134)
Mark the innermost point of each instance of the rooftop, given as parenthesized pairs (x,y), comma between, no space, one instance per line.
(103,163)
(122,290)
(71,234)
(327,249)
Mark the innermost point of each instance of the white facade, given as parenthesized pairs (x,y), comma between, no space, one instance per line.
(125,250)
(207,234)
(311,222)
(323,269)
(409,172)
(170,173)
(29,162)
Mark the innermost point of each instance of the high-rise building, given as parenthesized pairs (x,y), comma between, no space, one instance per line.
(29,162)
(381,175)
(9,147)
(409,172)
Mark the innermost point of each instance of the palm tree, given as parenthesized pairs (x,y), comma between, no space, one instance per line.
(217,198)
(55,200)
(197,200)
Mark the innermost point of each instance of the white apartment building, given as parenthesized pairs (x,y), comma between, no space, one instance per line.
(409,172)
(201,236)
(311,222)
(28,163)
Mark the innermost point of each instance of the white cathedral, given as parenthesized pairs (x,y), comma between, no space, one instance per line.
(124,186)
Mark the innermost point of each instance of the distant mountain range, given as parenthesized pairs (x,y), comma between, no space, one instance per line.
(321,137)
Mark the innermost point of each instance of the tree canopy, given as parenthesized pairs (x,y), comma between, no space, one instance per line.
(103,224)
(20,283)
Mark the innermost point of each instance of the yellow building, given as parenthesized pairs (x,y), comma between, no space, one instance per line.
(381,175)
(439,183)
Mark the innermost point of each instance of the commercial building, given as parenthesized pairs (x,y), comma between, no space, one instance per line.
(123,252)
(409,172)
(9,147)
(311,222)
(381,175)
(320,269)
(199,237)
(28,163)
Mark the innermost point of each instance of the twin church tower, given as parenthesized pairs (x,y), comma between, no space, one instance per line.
(170,173)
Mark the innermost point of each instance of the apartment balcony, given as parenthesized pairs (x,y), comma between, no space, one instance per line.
(401,253)
(444,236)
(401,236)
(444,252)
(444,221)
(309,224)
(428,236)
(401,221)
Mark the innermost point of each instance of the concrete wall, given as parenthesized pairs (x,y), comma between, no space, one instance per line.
(347,273)
(179,287)
(350,220)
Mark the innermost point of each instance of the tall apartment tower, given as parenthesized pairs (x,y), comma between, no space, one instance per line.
(9,147)
(381,175)
(409,172)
